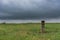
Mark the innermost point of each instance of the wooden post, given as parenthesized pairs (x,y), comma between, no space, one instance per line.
(42,26)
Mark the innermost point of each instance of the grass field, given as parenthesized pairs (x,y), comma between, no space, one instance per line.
(29,32)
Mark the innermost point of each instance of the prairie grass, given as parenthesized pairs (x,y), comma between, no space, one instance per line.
(29,31)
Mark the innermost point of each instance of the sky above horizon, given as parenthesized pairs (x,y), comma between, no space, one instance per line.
(29,9)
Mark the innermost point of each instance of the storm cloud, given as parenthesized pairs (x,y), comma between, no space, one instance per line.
(29,9)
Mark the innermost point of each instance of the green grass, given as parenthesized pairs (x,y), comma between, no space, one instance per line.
(29,32)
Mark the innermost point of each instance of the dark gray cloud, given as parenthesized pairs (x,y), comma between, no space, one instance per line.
(29,9)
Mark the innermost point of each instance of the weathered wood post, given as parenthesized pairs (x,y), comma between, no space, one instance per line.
(42,26)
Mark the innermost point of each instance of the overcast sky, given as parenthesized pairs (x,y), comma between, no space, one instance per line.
(29,9)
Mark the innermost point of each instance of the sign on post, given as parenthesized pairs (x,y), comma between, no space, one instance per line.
(42,26)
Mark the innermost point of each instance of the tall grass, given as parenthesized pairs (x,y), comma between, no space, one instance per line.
(29,32)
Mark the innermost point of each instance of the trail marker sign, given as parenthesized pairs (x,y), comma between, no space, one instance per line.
(42,26)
